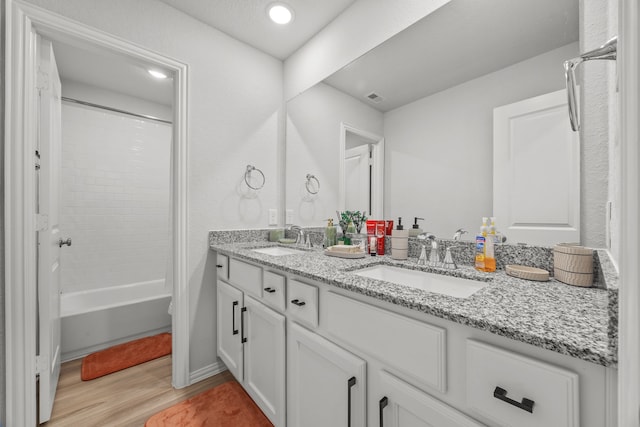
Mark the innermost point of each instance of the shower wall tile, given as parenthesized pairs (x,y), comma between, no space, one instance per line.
(115,199)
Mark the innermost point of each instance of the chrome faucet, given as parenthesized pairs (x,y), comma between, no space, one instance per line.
(300,233)
(458,234)
(434,258)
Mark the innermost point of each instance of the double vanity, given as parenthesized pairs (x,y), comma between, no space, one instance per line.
(326,341)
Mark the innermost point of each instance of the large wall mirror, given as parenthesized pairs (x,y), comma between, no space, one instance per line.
(427,96)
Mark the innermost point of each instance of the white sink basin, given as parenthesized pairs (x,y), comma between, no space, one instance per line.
(277,251)
(438,283)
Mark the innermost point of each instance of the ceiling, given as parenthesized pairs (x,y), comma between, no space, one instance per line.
(247,21)
(111,72)
(462,40)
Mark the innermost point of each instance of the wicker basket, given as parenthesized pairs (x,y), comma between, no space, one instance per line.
(573,264)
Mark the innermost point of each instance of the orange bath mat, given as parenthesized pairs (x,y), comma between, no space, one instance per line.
(125,355)
(226,405)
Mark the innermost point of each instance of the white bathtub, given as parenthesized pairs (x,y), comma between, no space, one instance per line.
(96,319)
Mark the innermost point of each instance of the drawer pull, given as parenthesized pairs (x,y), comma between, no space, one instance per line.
(526,405)
(270,290)
(350,384)
(219,265)
(382,404)
(233,318)
(298,302)
(243,339)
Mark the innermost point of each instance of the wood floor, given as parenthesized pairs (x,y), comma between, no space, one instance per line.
(122,399)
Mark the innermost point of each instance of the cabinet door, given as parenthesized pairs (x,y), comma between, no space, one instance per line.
(229,344)
(326,384)
(264,358)
(402,405)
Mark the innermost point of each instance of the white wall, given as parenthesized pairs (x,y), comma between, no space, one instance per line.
(601,161)
(594,131)
(114,198)
(313,146)
(234,106)
(439,149)
(361,27)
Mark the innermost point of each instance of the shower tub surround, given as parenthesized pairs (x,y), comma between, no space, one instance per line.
(574,321)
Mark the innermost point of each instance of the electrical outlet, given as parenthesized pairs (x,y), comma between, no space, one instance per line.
(289,220)
(273,217)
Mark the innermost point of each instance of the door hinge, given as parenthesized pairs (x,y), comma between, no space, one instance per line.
(42,364)
(42,80)
(42,222)
(37,160)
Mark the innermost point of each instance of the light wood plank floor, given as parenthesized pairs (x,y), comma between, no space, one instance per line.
(122,399)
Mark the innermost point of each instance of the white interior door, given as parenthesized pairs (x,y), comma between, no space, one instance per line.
(536,171)
(357,179)
(49,150)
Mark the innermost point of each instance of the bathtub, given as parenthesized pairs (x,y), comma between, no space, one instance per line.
(96,319)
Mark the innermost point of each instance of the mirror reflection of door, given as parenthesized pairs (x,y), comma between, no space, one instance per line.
(357,177)
(362,160)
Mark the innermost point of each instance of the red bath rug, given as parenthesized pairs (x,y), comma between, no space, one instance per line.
(124,356)
(226,405)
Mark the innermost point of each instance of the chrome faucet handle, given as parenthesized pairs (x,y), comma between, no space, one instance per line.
(307,242)
(448,261)
(458,234)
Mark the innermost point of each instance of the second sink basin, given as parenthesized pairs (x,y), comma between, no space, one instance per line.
(431,282)
(278,251)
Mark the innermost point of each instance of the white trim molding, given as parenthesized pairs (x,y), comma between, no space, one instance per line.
(377,182)
(207,371)
(23,23)
(629,293)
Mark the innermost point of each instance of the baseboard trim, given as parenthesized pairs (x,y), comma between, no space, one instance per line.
(206,372)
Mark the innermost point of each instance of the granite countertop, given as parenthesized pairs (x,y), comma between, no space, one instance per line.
(569,320)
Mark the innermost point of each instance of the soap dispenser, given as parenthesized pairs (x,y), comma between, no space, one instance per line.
(415,229)
(399,242)
(330,234)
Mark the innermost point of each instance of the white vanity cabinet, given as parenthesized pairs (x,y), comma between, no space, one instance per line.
(251,339)
(400,404)
(326,385)
(352,360)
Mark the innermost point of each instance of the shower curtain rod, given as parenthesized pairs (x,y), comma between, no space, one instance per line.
(104,107)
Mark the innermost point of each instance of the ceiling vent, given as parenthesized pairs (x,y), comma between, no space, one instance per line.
(375,97)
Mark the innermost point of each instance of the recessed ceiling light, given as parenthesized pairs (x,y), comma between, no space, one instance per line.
(280,13)
(157,74)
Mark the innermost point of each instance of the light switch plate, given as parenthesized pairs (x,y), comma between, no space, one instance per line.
(289,219)
(273,217)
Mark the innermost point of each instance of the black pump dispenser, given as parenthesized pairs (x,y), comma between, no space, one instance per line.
(415,225)
(399,226)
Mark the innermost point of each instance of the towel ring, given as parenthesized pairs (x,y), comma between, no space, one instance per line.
(247,176)
(309,183)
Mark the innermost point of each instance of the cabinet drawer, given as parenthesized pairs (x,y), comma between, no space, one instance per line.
(273,290)
(246,276)
(303,302)
(414,349)
(514,390)
(222,265)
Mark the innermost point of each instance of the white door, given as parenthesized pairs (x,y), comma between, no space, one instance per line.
(229,328)
(357,179)
(264,358)
(325,384)
(400,404)
(49,150)
(536,171)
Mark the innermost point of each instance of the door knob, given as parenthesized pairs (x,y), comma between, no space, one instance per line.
(64,242)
